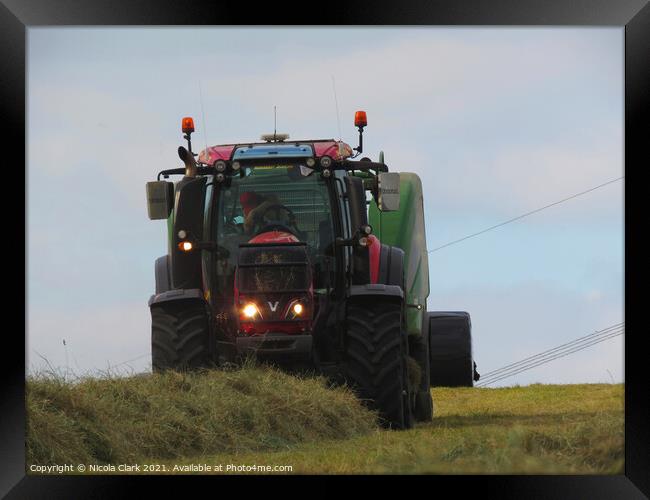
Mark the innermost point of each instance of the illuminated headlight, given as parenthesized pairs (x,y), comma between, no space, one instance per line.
(220,166)
(236,165)
(325,161)
(250,311)
(185,246)
(296,310)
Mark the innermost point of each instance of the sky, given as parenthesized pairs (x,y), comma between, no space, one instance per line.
(496,121)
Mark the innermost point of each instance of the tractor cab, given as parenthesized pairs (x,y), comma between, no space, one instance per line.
(283,215)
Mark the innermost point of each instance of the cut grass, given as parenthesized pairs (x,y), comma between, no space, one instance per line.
(173,415)
(538,429)
(260,416)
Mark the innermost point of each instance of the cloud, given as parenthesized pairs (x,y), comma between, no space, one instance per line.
(431,95)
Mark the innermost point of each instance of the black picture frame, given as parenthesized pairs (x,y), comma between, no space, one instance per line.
(634,15)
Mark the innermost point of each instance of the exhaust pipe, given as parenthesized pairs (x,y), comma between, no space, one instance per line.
(188,159)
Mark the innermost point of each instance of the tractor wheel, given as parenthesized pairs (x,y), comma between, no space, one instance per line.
(179,336)
(375,359)
(419,351)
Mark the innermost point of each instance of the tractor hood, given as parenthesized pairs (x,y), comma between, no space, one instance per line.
(274,237)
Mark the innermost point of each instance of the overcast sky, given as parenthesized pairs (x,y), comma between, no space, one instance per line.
(496,121)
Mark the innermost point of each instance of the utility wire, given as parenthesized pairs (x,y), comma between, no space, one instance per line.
(571,348)
(551,358)
(549,351)
(129,360)
(525,215)
(507,375)
(555,351)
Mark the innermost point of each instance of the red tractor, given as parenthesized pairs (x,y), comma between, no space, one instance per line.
(294,253)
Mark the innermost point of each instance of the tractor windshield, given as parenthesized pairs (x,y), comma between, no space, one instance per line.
(289,199)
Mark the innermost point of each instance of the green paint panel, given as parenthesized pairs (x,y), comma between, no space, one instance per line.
(170,231)
(404,228)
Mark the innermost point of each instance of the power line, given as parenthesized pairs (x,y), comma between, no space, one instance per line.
(532,363)
(133,359)
(524,215)
(529,362)
(613,330)
(552,358)
(549,351)
(507,375)
(542,361)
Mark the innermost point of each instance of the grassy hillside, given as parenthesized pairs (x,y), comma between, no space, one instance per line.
(259,416)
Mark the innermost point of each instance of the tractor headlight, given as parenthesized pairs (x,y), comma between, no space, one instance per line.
(295,310)
(220,166)
(250,311)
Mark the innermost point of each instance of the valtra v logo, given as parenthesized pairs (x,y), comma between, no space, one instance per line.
(273,306)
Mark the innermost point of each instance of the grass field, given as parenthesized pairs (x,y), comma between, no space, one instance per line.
(261,417)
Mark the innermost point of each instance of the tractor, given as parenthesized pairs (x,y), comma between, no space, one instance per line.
(296,254)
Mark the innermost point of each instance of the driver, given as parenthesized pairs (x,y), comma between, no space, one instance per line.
(254,205)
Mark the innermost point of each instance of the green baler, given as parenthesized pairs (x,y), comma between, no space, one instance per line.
(444,336)
(404,229)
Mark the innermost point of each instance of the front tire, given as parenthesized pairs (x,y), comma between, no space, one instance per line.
(179,336)
(375,359)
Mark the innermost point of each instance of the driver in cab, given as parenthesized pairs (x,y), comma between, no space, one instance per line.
(255,205)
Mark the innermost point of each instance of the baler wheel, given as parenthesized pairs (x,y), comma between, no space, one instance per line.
(450,347)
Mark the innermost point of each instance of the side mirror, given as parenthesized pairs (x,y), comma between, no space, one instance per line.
(388,191)
(160,196)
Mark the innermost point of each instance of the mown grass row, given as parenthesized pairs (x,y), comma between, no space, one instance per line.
(171,415)
(537,429)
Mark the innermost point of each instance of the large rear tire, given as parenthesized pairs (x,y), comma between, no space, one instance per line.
(450,346)
(375,359)
(179,336)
